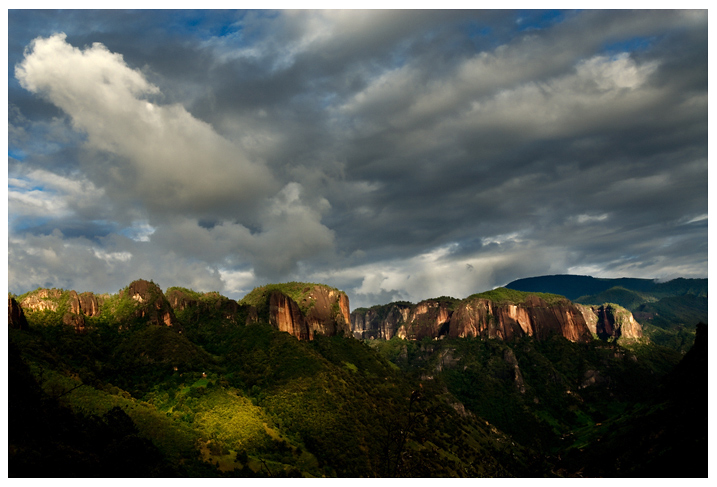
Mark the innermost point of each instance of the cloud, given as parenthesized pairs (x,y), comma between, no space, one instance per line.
(164,156)
(394,154)
(56,260)
(290,231)
(178,167)
(38,194)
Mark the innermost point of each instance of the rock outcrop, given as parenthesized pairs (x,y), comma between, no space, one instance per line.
(15,316)
(70,306)
(301,309)
(534,317)
(150,303)
(42,300)
(328,311)
(381,322)
(610,321)
(84,304)
(285,315)
(472,317)
(428,318)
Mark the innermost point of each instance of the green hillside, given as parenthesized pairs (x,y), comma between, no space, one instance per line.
(254,402)
(618,295)
(213,396)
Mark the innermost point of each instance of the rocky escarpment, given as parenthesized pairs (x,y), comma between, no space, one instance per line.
(15,317)
(150,303)
(65,306)
(480,317)
(380,322)
(42,300)
(85,303)
(488,315)
(81,305)
(302,310)
(428,318)
(611,321)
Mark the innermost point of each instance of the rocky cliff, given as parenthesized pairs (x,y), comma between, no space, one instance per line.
(65,306)
(301,309)
(533,317)
(150,303)
(42,300)
(611,321)
(15,317)
(285,315)
(380,322)
(142,300)
(502,315)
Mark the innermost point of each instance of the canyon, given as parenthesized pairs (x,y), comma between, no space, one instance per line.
(304,310)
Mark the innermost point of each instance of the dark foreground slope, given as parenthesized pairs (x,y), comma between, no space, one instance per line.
(198,385)
(211,395)
(666,436)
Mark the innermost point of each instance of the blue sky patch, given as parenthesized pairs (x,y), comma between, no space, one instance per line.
(629,45)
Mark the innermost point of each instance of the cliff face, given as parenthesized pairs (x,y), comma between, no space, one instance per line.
(285,315)
(610,321)
(379,322)
(329,313)
(68,304)
(534,317)
(472,317)
(150,303)
(42,300)
(428,318)
(86,303)
(301,309)
(15,317)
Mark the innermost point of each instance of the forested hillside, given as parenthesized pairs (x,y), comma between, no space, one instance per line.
(195,384)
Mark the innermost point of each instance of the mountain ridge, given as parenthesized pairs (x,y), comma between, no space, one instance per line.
(196,384)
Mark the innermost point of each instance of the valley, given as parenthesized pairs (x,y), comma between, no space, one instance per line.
(289,382)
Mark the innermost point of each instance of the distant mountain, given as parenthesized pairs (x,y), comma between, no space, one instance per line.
(619,295)
(574,287)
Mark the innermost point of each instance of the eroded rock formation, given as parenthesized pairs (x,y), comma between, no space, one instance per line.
(285,315)
(325,311)
(610,321)
(151,303)
(379,322)
(428,318)
(42,300)
(534,317)
(473,317)
(84,304)
(15,317)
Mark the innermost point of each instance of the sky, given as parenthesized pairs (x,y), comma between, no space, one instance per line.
(393,154)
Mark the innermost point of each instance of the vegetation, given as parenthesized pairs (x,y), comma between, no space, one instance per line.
(573,287)
(619,295)
(214,396)
(504,295)
(298,291)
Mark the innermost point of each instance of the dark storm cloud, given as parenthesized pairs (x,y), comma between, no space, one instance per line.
(395,154)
